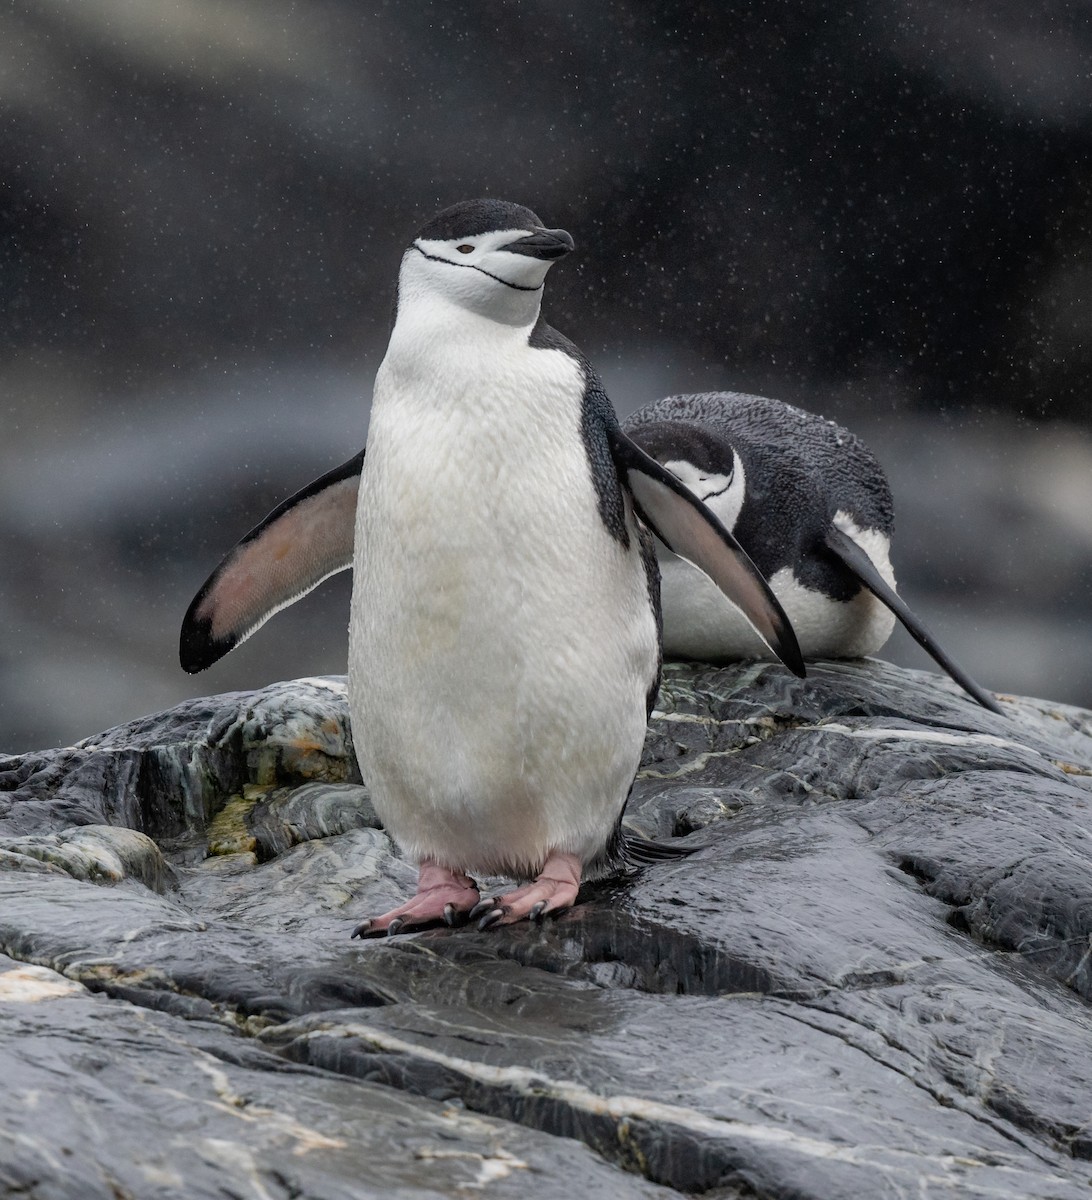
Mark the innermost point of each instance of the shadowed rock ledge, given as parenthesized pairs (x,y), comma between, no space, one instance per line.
(871,980)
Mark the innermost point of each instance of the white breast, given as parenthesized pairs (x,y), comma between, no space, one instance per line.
(501,642)
(700,623)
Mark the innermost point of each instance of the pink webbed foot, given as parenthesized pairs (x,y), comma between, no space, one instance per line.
(442,895)
(554,889)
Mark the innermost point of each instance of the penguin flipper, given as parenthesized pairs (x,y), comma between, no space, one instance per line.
(680,520)
(846,550)
(303,541)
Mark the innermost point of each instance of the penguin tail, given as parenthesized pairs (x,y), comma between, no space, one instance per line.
(857,562)
(637,851)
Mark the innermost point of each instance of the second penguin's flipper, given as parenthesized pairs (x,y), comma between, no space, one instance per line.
(858,562)
(687,528)
(303,541)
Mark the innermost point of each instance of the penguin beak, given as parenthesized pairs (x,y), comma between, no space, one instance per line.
(543,243)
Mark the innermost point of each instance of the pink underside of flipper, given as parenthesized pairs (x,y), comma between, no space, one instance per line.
(290,556)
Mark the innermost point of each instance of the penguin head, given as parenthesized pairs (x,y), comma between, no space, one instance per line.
(702,460)
(488,256)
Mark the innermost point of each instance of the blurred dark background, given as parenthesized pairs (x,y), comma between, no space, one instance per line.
(882,213)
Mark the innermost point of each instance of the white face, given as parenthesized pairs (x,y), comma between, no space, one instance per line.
(722,493)
(477,273)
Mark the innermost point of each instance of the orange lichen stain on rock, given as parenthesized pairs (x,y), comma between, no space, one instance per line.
(29,985)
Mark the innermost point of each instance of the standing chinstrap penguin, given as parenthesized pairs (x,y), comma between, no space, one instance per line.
(809,503)
(504,632)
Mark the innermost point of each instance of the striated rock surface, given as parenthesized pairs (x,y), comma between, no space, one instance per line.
(872,979)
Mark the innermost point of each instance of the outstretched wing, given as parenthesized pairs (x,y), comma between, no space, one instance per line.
(303,541)
(690,530)
(857,561)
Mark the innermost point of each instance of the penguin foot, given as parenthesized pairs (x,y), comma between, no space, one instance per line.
(442,896)
(554,889)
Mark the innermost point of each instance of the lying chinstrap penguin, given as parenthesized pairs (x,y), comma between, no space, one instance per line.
(504,635)
(809,503)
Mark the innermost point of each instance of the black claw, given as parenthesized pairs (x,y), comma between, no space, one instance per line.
(453,916)
(487,904)
(365,931)
(490,919)
(538,912)
(395,926)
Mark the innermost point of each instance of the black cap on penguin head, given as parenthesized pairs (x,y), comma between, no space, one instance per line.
(470,218)
(685,441)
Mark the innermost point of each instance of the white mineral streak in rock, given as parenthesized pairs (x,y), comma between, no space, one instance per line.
(697,763)
(498,1164)
(28,985)
(685,718)
(918,735)
(280,1124)
(912,1169)
(332,683)
(690,767)
(869,733)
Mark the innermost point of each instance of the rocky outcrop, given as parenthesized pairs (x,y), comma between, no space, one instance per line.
(870,979)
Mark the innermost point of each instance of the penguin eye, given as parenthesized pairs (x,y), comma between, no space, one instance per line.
(465,248)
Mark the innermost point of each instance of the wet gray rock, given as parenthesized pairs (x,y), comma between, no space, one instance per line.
(870,979)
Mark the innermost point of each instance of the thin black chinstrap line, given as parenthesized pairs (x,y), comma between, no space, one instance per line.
(437,258)
(712,495)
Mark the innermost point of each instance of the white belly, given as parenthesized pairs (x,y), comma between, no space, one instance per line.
(700,623)
(501,642)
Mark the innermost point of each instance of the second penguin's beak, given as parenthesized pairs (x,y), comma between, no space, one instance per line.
(543,243)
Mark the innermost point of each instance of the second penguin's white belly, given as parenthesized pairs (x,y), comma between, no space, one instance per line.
(700,623)
(501,641)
